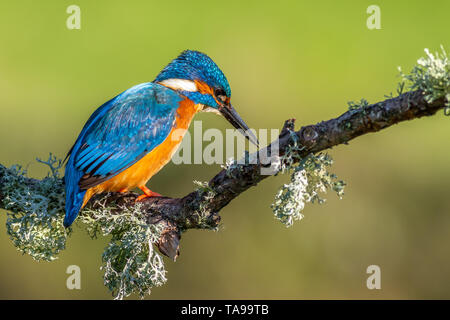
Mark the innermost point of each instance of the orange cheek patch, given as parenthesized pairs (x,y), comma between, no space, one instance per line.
(203,88)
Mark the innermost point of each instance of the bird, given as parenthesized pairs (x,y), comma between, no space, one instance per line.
(131,137)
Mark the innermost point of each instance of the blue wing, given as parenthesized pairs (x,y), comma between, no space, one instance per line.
(117,135)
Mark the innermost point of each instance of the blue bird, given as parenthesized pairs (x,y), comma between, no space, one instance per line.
(131,137)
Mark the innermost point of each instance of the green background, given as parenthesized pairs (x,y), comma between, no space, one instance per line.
(283,59)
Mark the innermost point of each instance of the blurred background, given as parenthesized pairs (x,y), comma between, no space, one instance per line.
(283,59)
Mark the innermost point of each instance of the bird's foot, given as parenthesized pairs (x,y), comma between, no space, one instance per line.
(144,196)
(147,194)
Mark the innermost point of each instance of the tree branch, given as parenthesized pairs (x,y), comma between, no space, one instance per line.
(199,209)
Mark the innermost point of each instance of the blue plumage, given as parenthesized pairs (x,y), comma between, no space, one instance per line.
(128,127)
(116,136)
(195,65)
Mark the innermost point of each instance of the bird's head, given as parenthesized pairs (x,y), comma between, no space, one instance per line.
(194,75)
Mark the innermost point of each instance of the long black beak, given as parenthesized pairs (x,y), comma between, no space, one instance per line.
(233,117)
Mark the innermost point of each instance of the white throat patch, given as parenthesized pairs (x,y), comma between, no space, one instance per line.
(180,84)
(212,110)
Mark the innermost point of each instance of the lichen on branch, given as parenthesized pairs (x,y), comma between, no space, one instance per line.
(35,208)
(309,179)
(130,262)
(35,211)
(431,76)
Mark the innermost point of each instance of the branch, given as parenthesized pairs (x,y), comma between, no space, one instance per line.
(200,209)
(228,184)
(35,208)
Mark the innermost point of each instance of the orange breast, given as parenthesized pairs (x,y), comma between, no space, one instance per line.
(138,174)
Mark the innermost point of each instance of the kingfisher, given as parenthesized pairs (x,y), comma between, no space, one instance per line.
(131,137)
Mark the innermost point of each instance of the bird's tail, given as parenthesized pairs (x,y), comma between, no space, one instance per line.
(74,196)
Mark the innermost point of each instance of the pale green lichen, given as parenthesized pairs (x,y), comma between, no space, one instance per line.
(431,75)
(203,187)
(200,208)
(309,178)
(130,261)
(362,104)
(231,167)
(291,156)
(35,211)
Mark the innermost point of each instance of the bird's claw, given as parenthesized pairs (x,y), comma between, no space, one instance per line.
(148,194)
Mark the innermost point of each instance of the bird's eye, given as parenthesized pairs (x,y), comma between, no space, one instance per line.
(220,94)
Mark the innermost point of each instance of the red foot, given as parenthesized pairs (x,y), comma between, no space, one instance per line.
(147,193)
